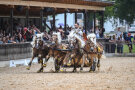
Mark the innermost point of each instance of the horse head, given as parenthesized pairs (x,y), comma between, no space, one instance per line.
(37,39)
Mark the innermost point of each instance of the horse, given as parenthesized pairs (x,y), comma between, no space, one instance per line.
(76,54)
(36,48)
(55,51)
(98,48)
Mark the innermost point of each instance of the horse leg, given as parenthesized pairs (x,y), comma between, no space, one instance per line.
(82,65)
(57,67)
(46,60)
(29,65)
(42,67)
(75,65)
(91,64)
(98,63)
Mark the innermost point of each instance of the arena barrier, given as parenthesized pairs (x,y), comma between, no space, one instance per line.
(15,51)
(24,50)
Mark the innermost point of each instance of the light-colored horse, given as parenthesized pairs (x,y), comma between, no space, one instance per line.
(35,47)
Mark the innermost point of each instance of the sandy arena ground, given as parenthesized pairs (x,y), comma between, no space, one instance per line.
(117,73)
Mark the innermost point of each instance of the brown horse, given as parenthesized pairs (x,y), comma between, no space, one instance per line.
(74,56)
(41,51)
(55,52)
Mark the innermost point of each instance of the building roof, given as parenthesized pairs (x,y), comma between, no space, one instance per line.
(59,5)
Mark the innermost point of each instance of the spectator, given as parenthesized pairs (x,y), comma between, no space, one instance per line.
(134,39)
(119,45)
(11,40)
(129,41)
(19,38)
(113,44)
(118,33)
(102,30)
(4,40)
(61,31)
(97,32)
(46,36)
(1,42)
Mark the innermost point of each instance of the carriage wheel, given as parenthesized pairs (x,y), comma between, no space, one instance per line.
(57,66)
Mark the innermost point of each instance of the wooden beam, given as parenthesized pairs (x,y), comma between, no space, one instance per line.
(65,21)
(94,16)
(47,4)
(27,17)
(41,19)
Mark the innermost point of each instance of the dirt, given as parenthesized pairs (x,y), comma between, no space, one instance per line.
(116,73)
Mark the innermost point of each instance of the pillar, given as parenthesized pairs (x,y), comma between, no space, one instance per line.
(75,17)
(27,16)
(85,21)
(41,19)
(102,19)
(65,21)
(11,19)
(54,21)
(94,16)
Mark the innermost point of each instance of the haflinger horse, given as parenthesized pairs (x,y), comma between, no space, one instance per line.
(55,51)
(76,56)
(97,49)
(39,50)
(84,52)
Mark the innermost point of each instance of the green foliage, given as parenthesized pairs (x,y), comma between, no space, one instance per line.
(122,9)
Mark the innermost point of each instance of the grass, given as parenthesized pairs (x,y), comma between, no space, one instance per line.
(126,49)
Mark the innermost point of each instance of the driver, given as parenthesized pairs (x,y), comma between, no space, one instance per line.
(78,31)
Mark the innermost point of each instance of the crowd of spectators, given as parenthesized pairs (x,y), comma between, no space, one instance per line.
(119,40)
(20,34)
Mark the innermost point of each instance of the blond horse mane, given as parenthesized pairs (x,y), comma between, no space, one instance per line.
(58,36)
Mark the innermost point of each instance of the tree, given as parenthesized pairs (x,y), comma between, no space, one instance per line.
(122,9)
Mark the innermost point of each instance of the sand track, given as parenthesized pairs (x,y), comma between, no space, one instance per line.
(115,73)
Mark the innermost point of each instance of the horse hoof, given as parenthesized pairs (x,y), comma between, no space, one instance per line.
(98,65)
(28,68)
(39,71)
(44,65)
(91,71)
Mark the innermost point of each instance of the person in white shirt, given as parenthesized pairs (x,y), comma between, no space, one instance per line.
(118,33)
(78,31)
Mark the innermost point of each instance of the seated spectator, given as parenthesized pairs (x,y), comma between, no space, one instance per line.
(1,42)
(4,40)
(19,38)
(11,40)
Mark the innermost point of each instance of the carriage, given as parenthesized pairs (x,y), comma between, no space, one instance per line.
(74,52)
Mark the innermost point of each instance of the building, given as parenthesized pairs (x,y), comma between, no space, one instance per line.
(35,12)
